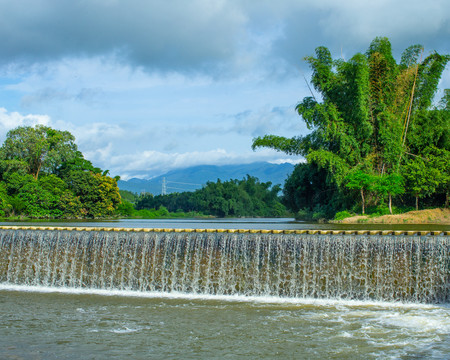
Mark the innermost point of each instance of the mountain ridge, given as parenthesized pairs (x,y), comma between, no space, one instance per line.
(193,178)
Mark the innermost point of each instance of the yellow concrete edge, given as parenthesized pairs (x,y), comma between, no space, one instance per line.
(238,231)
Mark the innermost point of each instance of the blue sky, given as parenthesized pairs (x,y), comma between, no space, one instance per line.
(147,86)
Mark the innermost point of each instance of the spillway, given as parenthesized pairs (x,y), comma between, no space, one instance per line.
(361,265)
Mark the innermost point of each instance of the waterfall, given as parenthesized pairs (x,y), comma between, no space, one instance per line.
(410,268)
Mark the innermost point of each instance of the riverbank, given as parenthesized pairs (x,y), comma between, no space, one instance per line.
(428,216)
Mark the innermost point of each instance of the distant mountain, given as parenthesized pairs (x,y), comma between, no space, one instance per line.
(195,177)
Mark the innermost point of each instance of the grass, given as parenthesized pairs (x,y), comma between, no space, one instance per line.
(426,216)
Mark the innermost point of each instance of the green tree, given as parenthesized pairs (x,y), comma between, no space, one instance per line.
(43,175)
(40,148)
(128,196)
(125,208)
(5,205)
(361,181)
(369,112)
(77,163)
(98,194)
(390,185)
(29,198)
(427,173)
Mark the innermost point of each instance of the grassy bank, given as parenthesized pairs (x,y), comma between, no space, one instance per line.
(428,216)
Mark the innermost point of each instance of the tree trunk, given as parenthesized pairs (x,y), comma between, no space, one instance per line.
(37,171)
(447,199)
(362,197)
(390,204)
(417,203)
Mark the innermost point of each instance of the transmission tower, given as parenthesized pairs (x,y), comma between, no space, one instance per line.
(164,187)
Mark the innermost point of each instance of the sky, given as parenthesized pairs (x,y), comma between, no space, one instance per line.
(148,86)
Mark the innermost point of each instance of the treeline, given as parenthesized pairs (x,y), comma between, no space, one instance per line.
(235,198)
(43,175)
(376,134)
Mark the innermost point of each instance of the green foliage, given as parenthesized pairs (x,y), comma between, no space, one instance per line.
(279,143)
(163,213)
(319,215)
(247,197)
(382,209)
(392,184)
(303,215)
(309,189)
(341,215)
(128,196)
(428,173)
(44,176)
(125,208)
(370,118)
(378,210)
(41,148)
(99,194)
(78,163)
(361,181)
(5,204)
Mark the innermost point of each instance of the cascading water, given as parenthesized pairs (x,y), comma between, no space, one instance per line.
(366,267)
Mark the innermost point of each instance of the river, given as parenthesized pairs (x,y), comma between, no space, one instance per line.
(227,223)
(44,322)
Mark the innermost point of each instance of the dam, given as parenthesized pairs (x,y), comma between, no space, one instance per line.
(162,292)
(394,266)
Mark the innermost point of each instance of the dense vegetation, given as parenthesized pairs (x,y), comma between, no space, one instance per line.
(375,133)
(237,198)
(43,175)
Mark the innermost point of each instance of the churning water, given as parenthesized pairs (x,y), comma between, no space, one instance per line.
(98,294)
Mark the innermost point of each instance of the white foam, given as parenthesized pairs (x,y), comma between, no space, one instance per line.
(424,322)
(346,334)
(124,330)
(231,298)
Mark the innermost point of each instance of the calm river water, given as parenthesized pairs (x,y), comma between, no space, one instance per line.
(228,223)
(64,323)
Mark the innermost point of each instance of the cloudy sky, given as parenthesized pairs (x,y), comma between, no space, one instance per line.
(147,86)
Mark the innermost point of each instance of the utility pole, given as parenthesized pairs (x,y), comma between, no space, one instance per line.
(164,187)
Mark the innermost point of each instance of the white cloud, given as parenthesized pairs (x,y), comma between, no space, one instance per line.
(293,161)
(283,120)
(11,120)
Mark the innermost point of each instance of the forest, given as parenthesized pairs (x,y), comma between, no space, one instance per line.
(233,198)
(377,134)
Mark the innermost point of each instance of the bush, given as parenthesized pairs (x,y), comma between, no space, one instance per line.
(319,216)
(341,215)
(162,211)
(125,208)
(303,215)
(379,210)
